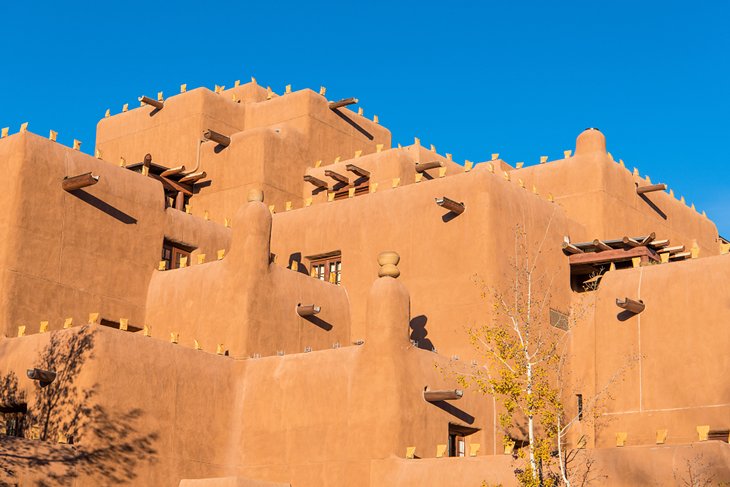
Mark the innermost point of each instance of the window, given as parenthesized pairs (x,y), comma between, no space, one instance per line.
(172,252)
(457,439)
(579,400)
(12,420)
(327,267)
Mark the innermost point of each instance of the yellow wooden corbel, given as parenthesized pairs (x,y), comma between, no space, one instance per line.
(612,266)
(661,436)
(337,159)
(449,157)
(147,331)
(97,153)
(725,248)
(703,432)
(227,222)
(519,165)
(473,449)
(77,144)
(287,206)
(543,159)
(416,141)
(220,254)
(681,200)
(468,165)
(433,148)
(220,349)
(664,257)
(322,90)
(4,132)
(201,258)
(509,447)
(521,182)
(507,176)
(269,93)
(410,452)
(419,177)
(122,162)
(272,209)
(160,97)
(253,80)
(376,119)
(358,153)
(567,153)
(125,107)
(635,172)
(396,182)
(495,156)
(287,90)
(318,163)
(197,345)
(124,324)
(183,88)
(94,318)
(373,187)
(53,135)
(23,127)
(174,337)
(351,193)
(550,198)
(21,330)
(360,111)
(695,251)
(621,438)
(218,89)
(107,113)
(490,167)
(68,323)
(183,262)
(331,196)
(162,265)
(237,83)
(378,147)
(44,327)
(534,189)
(440,450)
(308,202)
(442,172)
(635,261)
(621,163)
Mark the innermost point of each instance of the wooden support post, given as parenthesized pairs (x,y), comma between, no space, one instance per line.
(443,395)
(425,166)
(650,188)
(631,305)
(451,205)
(358,170)
(337,176)
(307,309)
(315,181)
(78,182)
(192,177)
(149,101)
(217,137)
(334,105)
(180,201)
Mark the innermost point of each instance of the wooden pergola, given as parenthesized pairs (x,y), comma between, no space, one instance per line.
(177,183)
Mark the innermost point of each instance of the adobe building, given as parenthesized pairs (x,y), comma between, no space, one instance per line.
(249,289)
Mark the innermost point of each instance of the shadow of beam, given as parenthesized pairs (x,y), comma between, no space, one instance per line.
(104,206)
(454,411)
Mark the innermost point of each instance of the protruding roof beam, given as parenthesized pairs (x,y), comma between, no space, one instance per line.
(217,137)
(358,170)
(192,177)
(315,181)
(570,248)
(631,305)
(337,176)
(425,166)
(172,171)
(304,310)
(450,205)
(630,242)
(334,105)
(599,244)
(78,182)
(447,395)
(673,250)
(42,376)
(152,102)
(659,243)
(648,239)
(650,188)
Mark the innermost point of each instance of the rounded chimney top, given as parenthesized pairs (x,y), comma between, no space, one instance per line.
(589,141)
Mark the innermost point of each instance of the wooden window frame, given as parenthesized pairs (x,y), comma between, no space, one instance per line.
(172,252)
(321,267)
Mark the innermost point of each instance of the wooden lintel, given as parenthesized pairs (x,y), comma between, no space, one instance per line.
(612,256)
(333,105)
(315,181)
(307,309)
(447,395)
(217,137)
(601,245)
(152,102)
(192,177)
(631,305)
(358,170)
(451,205)
(425,166)
(78,182)
(650,188)
(172,171)
(337,176)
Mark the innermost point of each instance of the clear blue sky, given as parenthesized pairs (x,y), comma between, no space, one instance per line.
(519,78)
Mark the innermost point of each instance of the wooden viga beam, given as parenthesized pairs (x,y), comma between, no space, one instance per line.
(217,137)
(425,166)
(172,171)
(151,102)
(632,242)
(651,188)
(337,176)
(570,248)
(315,181)
(450,205)
(307,309)
(358,170)
(192,177)
(334,105)
(443,395)
(78,182)
(42,376)
(631,305)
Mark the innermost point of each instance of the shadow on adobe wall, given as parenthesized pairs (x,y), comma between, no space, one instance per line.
(419,332)
(102,444)
(104,206)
